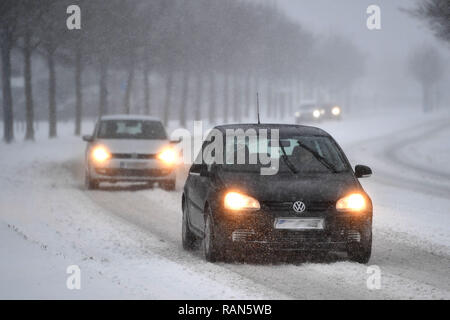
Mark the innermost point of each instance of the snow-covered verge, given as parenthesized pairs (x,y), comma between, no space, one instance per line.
(47,223)
(126,241)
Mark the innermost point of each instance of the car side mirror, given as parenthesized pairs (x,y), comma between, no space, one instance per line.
(88,138)
(362,171)
(204,171)
(176,141)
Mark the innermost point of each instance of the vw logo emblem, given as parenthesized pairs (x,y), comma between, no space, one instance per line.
(299,206)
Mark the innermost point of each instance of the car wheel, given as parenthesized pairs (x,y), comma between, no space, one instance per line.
(360,251)
(169,185)
(209,244)
(89,183)
(187,237)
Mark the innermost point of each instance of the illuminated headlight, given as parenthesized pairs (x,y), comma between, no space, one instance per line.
(354,202)
(100,154)
(297,114)
(322,111)
(168,156)
(336,111)
(316,114)
(236,201)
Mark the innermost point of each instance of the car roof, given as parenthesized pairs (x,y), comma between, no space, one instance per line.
(129,117)
(283,128)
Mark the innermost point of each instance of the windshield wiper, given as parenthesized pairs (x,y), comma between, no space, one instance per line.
(321,159)
(286,159)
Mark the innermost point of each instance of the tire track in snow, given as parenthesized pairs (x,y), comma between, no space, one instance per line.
(159,213)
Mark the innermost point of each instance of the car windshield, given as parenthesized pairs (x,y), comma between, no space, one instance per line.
(295,154)
(306,107)
(131,129)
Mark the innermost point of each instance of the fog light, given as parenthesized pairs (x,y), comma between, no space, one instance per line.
(354,202)
(100,154)
(336,111)
(237,201)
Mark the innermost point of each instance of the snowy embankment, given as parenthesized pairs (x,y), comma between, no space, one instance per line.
(127,240)
(48,223)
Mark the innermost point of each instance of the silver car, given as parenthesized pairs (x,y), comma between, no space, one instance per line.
(130,148)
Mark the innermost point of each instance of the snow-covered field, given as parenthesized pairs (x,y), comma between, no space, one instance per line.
(126,240)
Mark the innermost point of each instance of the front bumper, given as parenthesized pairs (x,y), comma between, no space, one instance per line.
(257,231)
(132,170)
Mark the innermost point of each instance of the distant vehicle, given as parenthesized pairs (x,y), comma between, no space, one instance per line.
(314,203)
(130,148)
(308,112)
(331,111)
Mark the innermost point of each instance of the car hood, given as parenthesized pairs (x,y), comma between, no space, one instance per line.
(133,146)
(288,187)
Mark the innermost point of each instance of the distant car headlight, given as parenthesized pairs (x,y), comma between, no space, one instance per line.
(237,201)
(316,114)
(168,156)
(336,111)
(354,202)
(100,154)
(322,111)
(297,114)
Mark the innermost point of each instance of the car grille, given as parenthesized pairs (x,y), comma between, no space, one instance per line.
(133,172)
(249,235)
(287,206)
(133,156)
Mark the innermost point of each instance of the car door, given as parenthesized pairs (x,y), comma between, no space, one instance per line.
(197,188)
(193,196)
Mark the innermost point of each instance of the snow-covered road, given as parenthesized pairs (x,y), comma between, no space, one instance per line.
(127,243)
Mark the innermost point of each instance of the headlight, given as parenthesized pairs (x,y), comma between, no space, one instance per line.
(336,111)
(297,114)
(237,201)
(354,202)
(316,114)
(168,156)
(100,154)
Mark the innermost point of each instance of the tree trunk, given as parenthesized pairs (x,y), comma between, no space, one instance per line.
(269,99)
(198,97)
(212,97)
(29,109)
(103,88)
(51,95)
(147,87)
(8,119)
(226,101)
(78,93)
(184,99)
(169,85)
(247,95)
(129,88)
(236,99)
(426,98)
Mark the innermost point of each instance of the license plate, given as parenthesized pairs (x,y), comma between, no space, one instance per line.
(133,165)
(299,224)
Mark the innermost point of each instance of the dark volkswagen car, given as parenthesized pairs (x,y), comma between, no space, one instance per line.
(312,201)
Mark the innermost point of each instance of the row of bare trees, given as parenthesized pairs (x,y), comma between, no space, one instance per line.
(227,49)
(426,63)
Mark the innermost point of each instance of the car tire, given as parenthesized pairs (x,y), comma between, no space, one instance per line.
(360,251)
(89,183)
(209,243)
(187,237)
(169,185)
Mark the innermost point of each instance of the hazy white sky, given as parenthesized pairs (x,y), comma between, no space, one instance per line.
(399,30)
(387,50)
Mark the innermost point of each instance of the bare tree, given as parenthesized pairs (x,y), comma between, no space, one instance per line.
(426,67)
(437,13)
(9,16)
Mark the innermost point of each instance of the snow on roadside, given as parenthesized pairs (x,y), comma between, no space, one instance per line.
(52,224)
